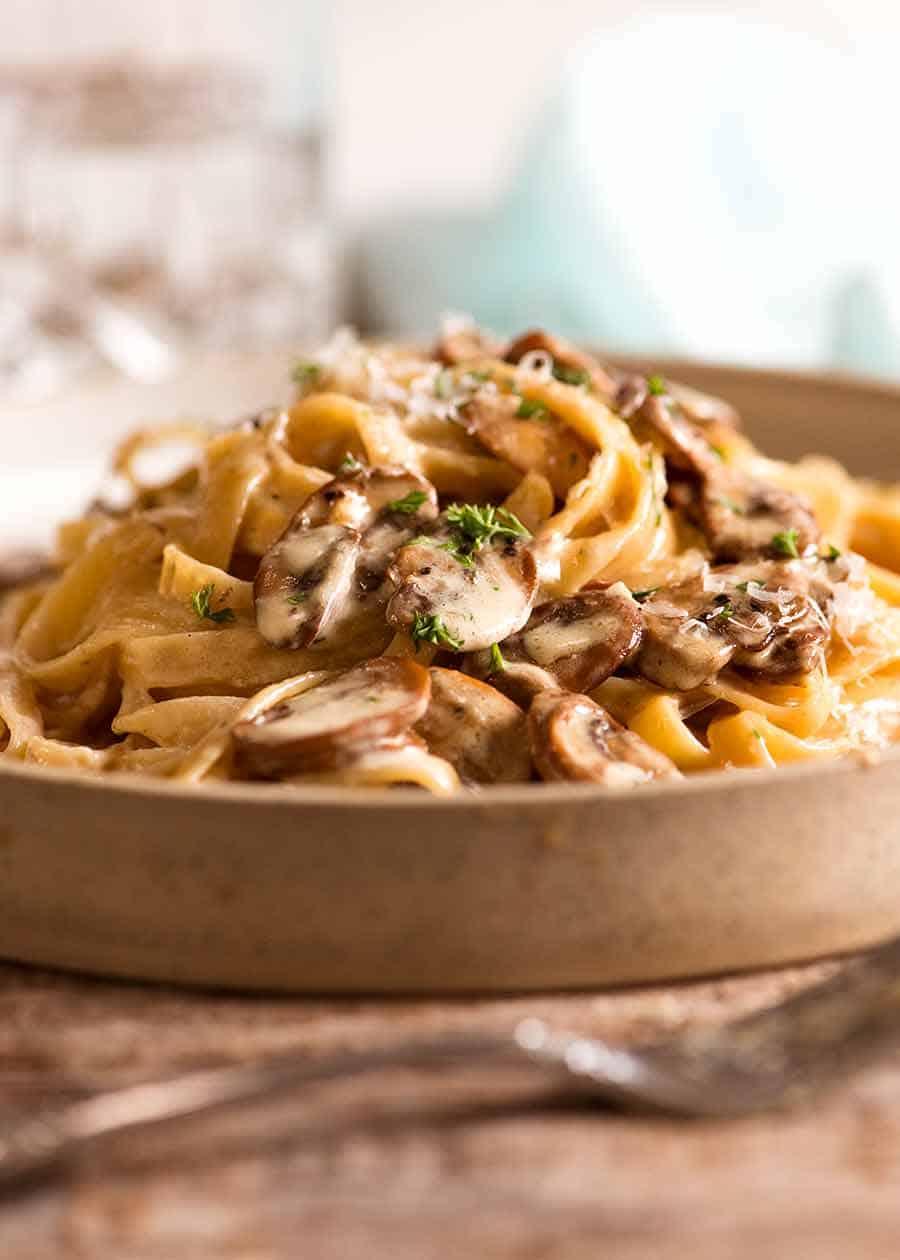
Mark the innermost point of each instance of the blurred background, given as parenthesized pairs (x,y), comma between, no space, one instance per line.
(196,178)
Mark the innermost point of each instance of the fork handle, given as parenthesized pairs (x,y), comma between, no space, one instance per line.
(52,1138)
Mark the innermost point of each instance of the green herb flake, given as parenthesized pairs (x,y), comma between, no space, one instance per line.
(298,597)
(571,375)
(200,602)
(725,611)
(498,664)
(716,450)
(642,595)
(832,553)
(737,508)
(529,409)
(478,525)
(757,734)
(349,464)
(657,386)
(478,377)
(785,542)
(431,629)
(306,373)
(409,504)
(745,586)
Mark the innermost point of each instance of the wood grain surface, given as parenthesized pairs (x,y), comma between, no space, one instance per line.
(410,1167)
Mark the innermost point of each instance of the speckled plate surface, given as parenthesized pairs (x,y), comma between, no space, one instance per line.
(537,887)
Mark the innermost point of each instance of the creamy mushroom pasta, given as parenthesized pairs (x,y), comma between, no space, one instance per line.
(485,563)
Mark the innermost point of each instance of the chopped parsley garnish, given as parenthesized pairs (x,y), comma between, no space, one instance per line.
(737,508)
(832,553)
(657,386)
(431,629)
(200,604)
(298,597)
(529,409)
(306,372)
(409,503)
(571,375)
(478,377)
(716,450)
(745,586)
(443,384)
(349,464)
(479,525)
(725,610)
(642,595)
(497,662)
(785,542)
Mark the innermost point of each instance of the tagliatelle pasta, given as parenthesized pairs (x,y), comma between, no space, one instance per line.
(597,571)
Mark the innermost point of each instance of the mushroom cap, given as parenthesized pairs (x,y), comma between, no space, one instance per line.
(333,723)
(572,738)
(582,639)
(479,731)
(741,516)
(328,568)
(565,355)
(302,580)
(544,446)
(480,603)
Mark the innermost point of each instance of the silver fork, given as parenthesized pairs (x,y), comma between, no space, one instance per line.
(773,1058)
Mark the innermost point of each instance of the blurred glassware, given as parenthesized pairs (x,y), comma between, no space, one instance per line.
(150,203)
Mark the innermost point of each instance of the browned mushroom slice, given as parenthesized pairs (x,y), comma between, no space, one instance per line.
(571,365)
(742,517)
(656,417)
(303,578)
(759,617)
(328,568)
(466,343)
(519,681)
(679,650)
(333,723)
(539,445)
(478,603)
(479,731)
(581,640)
(572,738)
(356,498)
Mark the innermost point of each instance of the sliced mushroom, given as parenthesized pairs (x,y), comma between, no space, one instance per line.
(465,343)
(305,577)
(565,356)
(657,417)
(328,568)
(479,603)
(519,681)
(579,641)
(759,617)
(742,516)
(478,730)
(333,723)
(531,445)
(357,498)
(572,738)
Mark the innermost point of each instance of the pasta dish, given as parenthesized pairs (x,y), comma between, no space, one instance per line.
(488,562)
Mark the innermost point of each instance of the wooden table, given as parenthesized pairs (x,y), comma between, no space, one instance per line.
(414,1167)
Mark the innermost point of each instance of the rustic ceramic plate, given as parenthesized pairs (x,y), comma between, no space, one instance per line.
(518,888)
